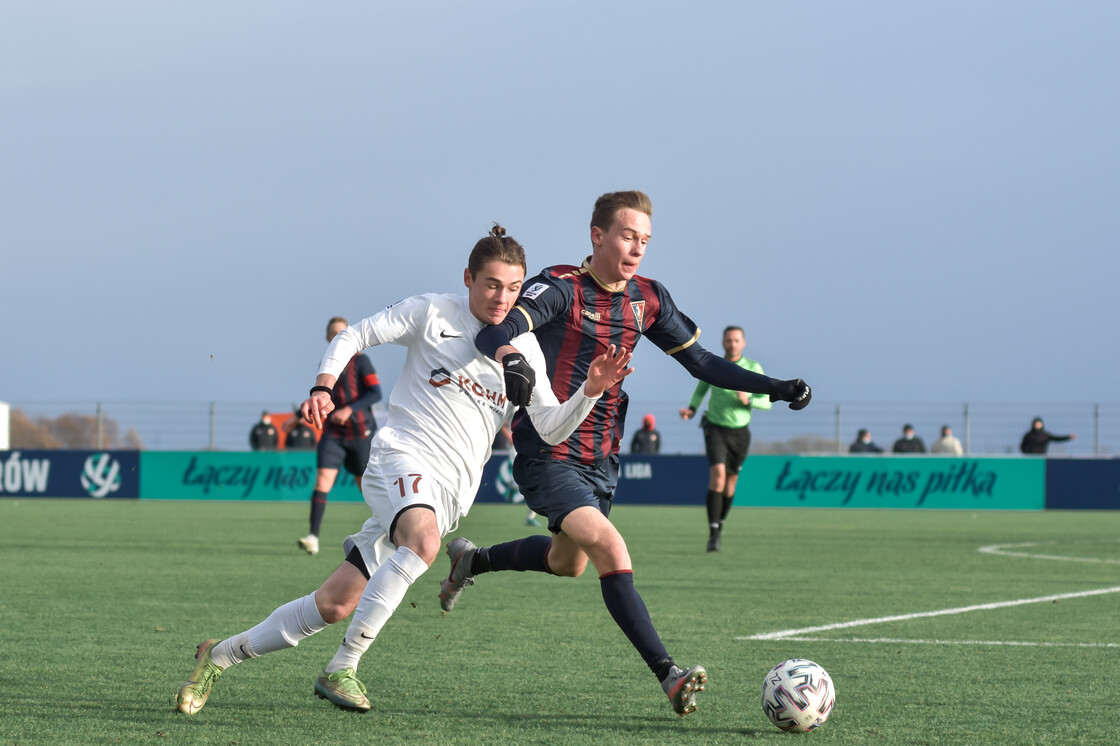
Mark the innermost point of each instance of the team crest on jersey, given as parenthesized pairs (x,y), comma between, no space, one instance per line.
(639,309)
(534,290)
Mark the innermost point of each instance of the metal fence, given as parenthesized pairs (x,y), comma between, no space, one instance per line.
(829,427)
(824,427)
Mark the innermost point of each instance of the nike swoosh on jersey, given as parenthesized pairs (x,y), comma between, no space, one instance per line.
(445,335)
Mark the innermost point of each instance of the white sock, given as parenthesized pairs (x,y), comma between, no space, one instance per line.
(285,628)
(383,593)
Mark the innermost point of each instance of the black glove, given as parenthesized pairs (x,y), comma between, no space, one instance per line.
(520,379)
(796,392)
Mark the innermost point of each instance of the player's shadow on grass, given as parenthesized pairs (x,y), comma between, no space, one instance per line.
(604,721)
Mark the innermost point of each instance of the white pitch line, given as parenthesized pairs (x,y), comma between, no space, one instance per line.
(1001,549)
(901,641)
(924,614)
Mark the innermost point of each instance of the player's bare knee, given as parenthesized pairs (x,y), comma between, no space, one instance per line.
(415,527)
(334,609)
(336,612)
(571,568)
(424,544)
(611,557)
(426,547)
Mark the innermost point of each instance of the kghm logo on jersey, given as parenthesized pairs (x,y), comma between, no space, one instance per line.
(440,377)
(101,475)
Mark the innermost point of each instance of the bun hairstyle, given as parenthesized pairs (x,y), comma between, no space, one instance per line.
(496,247)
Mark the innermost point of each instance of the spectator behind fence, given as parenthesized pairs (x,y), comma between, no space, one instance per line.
(909,443)
(300,436)
(263,436)
(1037,439)
(648,439)
(863,443)
(947,444)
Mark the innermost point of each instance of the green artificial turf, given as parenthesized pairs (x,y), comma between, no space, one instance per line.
(103,602)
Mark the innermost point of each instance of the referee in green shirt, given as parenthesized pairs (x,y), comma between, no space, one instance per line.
(727,433)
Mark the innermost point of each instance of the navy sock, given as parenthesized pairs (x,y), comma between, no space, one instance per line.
(530,553)
(631,616)
(318,507)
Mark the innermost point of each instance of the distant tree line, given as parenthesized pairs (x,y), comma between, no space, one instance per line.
(800,444)
(70,430)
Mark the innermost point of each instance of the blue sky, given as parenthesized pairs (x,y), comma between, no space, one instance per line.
(898,201)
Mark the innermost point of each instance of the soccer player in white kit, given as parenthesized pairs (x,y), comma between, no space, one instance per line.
(425,463)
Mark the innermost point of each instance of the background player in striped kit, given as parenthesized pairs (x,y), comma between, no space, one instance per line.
(347,431)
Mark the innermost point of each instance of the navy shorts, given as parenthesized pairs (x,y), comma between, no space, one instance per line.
(727,445)
(335,453)
(555,488)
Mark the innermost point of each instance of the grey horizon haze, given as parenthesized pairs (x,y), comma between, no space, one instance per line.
(898,202)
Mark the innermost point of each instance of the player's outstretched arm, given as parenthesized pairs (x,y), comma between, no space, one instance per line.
(345,345)
(724,374)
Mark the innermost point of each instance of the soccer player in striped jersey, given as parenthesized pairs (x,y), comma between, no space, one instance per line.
(346,432)
(424,468)
(576,313)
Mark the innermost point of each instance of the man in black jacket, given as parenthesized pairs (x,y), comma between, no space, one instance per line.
(1037,439)
(909,443)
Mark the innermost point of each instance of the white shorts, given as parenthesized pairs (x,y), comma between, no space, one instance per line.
(392,482)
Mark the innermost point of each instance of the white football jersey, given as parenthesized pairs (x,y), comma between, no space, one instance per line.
(449,401)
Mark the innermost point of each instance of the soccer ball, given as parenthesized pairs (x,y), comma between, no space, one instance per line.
(797,695)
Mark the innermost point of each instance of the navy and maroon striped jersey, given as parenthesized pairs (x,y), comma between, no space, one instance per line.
(575,318)
(357,387)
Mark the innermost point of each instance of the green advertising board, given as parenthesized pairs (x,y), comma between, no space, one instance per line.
(220,475)
(930,482)
(893,482)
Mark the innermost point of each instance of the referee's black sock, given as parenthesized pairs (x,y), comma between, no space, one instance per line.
(715,507)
